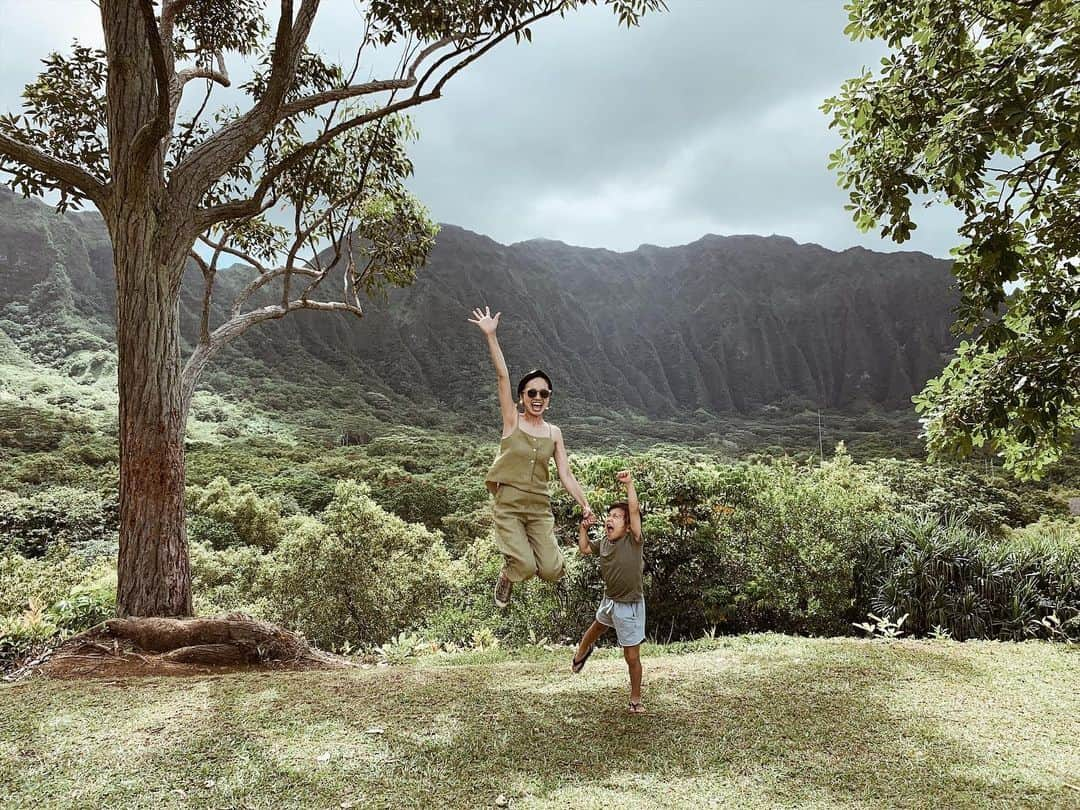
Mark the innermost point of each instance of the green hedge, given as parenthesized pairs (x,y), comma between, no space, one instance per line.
(775,544)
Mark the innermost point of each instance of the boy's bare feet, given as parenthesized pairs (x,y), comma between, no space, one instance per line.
(503,589)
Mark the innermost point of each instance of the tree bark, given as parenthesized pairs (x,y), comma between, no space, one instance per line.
(153,576)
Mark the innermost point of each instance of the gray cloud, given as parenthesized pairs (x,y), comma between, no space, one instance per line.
(704,119)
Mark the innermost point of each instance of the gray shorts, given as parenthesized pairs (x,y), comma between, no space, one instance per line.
(628,619)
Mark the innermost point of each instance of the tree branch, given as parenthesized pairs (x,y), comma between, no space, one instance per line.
(243,208)
(352,91)
(60,170)
(222,247)
(199,260)
(321,272)
(236,326)
(493,39)
(221,75)
(208,290)
(1020,173)
(207,162)
(185,139)
(260,282)
(234,210)
(150,134)
(342,93)
(170,10)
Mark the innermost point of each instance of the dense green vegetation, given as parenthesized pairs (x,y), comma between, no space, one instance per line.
(356,544)
(355,529)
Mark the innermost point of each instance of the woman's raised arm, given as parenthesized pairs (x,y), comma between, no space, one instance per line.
(488,323)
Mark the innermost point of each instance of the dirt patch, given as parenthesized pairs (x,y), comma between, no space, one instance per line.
(142,647)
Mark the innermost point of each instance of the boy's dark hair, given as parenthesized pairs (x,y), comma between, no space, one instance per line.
(625,509)
(532,375)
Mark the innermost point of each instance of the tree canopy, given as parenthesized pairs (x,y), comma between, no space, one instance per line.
(978,106)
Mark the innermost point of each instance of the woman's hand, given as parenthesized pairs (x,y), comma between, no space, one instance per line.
(487,322)
(587,516)
(583,536)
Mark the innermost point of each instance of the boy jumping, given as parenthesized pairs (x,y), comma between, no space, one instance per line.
(621,566)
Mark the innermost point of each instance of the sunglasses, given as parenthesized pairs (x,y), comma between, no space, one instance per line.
(543,393)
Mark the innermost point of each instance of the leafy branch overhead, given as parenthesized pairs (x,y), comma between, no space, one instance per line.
(978,106)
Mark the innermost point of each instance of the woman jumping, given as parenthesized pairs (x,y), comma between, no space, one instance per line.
(524,524)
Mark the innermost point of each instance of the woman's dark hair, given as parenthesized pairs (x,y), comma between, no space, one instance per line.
(532,375)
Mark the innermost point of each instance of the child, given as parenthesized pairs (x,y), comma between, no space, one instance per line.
(621,566)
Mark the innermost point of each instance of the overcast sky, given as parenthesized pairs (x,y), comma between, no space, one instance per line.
(703,120)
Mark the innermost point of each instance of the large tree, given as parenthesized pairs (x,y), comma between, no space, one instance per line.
(978,106)
(112,128)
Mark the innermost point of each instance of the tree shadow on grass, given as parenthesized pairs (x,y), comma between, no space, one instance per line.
(774,728)
(792,732)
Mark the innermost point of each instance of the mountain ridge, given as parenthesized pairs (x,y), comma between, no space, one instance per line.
(724,324)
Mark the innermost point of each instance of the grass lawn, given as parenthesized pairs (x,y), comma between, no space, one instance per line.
(750,721)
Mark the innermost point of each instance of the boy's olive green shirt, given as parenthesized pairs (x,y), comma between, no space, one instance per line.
(622,566)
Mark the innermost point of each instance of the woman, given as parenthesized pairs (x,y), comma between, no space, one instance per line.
(524,525)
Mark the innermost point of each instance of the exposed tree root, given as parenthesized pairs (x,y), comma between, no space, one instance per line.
(154,646)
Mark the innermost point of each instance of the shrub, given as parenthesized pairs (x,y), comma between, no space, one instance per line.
(949,576)
(249,460)
(538,610)
(215,534)
(962,493)
(21,634)
(31,429)
(37,623)
(399,649)
(765,546)
(464,526)
(361,575)
(94,451)
(413,498)
(311,491)
(30,525)
(795,533)
(254,521)
(226,579)
(54,469)
(1045,557)
(86,604)
(46,580)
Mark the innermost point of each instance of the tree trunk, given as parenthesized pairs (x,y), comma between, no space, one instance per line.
(153,576)
(147,237)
